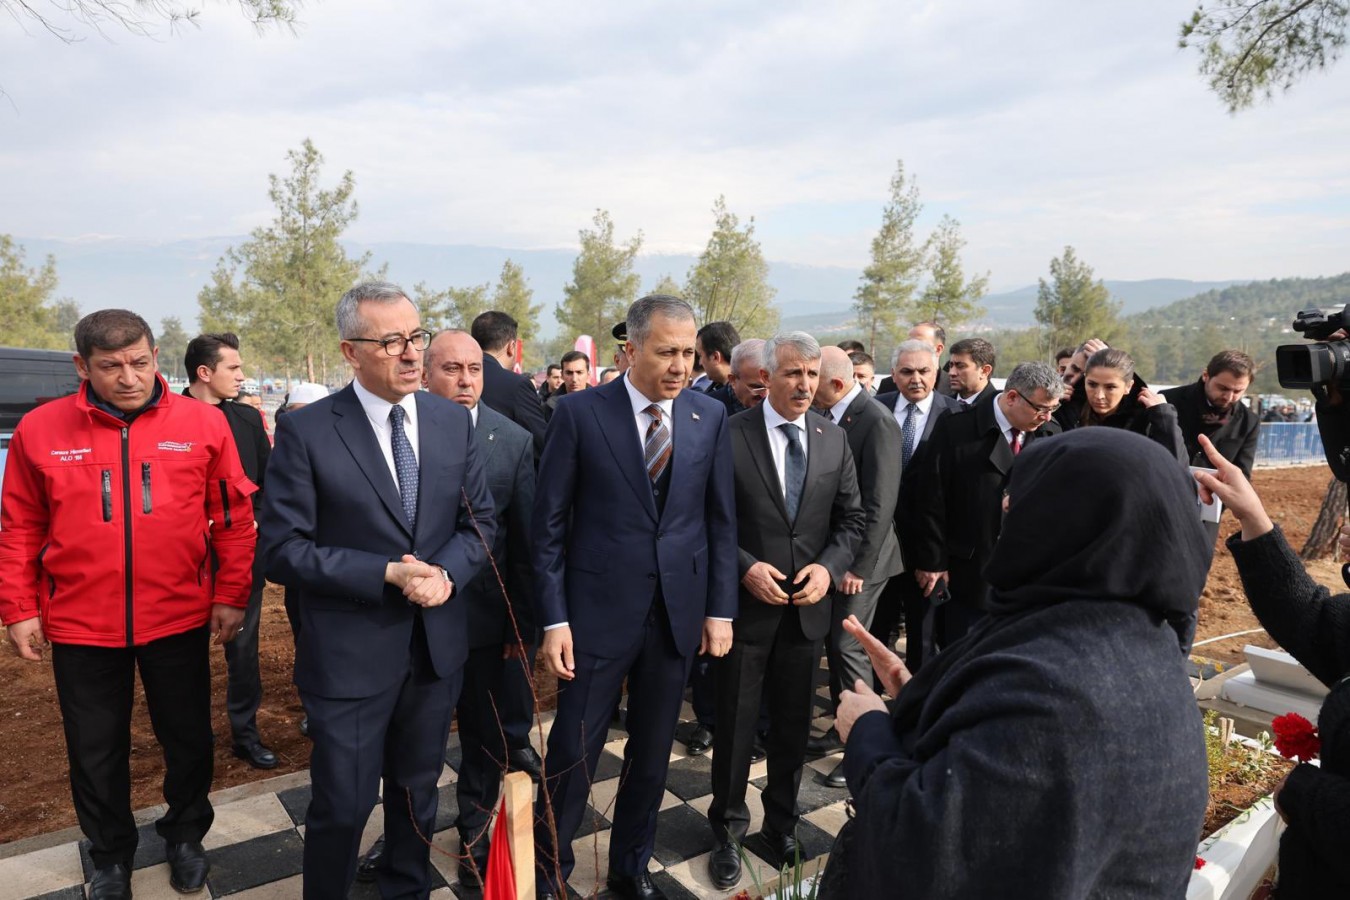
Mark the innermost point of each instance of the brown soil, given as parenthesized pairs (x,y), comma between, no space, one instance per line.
(1227,801)
(34,784)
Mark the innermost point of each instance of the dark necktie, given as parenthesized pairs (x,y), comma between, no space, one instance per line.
(907,435)
(794,469)
(829,414)
(405,464)
(656,448)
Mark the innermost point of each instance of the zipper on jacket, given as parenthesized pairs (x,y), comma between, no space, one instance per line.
(225,501)
(145,488)
(126,526)
(107,495)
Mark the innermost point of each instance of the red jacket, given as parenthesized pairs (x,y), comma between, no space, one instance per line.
(106,530)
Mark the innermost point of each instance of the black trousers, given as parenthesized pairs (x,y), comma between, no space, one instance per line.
(515,699)
(781,668)
(484,742)
(95,687)
(243,690)
(399,735)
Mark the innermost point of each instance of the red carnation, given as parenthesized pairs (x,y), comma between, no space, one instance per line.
(1296,737)
(1199,863)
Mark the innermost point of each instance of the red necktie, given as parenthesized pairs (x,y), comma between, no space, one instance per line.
(1017,443)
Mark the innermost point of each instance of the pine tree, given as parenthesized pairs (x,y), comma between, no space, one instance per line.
(730,281)
(888,283)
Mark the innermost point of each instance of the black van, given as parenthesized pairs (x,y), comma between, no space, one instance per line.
(29,378)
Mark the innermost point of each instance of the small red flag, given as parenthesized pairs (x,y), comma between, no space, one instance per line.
(500,881)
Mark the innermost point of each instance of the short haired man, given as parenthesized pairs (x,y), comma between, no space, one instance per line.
(746,386)
(110,495)
(934,335)
(851,347)
(608,374)
(875,441)
(378,512)
(961,502)
(917,409)
(1213,406)
(635,574)
(715,342)
(1062,357)
(969,368)
(576,371)
(215,375)
(799,521)
(500,625)
(864,370)
(552,381)
(510,394)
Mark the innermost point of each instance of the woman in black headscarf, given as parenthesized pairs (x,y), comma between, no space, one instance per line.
(1056,751)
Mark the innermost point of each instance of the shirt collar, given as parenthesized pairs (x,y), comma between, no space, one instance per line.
(924,405)
(1003,424)
(377,408)
(641,401)
(772,419)
(473,414)
(844,402)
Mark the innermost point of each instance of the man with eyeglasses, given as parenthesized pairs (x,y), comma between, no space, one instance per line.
(377,511)
(960,510)
(747,389)
(917,406)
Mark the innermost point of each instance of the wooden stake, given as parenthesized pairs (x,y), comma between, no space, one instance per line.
(519,793)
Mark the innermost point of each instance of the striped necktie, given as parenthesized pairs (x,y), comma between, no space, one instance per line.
(656,448)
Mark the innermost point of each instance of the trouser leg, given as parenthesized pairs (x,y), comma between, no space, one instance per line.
(176,673)
(95,687)
(791,670)
(740,686)
(243,692)
(848,660)
(481,738)
(515,699)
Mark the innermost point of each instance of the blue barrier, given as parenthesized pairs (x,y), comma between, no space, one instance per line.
(1285,443)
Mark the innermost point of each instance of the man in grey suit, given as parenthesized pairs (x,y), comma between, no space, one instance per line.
(874,437)
(917,406)
(799,523)
(500,624)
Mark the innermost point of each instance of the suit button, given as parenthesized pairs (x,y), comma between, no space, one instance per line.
(651,576)
(795,535)
(660,534)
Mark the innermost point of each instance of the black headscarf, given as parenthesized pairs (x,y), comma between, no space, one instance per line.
(1100,514)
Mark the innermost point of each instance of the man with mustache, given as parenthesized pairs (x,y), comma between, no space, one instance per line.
(800,521)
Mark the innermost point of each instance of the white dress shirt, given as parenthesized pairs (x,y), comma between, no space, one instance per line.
(473,414)
(838,409)
(643,419)
(924,407)
(377,412)
(1004,426)
(778,441)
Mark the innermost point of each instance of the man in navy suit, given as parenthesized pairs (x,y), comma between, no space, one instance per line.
(371,525)
(632,595)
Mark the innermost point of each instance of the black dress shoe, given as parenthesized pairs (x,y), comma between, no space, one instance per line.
(725,866)
(758,752)
(188,866)
(526,760)
(111,883)
(836,777)
(256,755)
(634,887)
(370,863)
(782,847)
(304,727)
(827,743)
(700,740)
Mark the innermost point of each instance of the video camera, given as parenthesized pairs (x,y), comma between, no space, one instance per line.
(1318,364)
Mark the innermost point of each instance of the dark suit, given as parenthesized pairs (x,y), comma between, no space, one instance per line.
(984,396)
(902,595)
(875,441)
(378,676)
(634,570)
(1235,439)
(515,397)
(507,454)
(960,510)
(779,646)
(243,691)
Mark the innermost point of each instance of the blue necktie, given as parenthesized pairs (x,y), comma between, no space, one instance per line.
(405,463)
(794,470)
(907,435)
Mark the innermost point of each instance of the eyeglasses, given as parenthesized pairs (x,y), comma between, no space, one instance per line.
(397,346)
(1040,410)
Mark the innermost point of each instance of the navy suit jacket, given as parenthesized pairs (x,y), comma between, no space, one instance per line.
(600,547)
(507,452)
(331,521)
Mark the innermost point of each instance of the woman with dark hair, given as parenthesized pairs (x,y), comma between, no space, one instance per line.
(1315,627)
(1111,394)
(1055,751)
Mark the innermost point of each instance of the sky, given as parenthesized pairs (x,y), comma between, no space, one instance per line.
(1036,124)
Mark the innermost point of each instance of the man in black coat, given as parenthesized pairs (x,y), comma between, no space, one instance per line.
(969,368)
(875,441)
(1213,407)
(215,375)
(799,522)
(929,333)
(960,510)
(915,364)
(512,395)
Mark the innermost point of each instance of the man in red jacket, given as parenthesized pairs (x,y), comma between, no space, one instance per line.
(115,498)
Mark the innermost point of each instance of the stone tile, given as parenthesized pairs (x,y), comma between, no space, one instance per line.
(690,778)
(445,852)
(592,821)
(811,794)
(296,801)
(829,818)
(447,808)
(247,819)
(592,856)
(149,851)
(608,766)
(821,766)
(681,833)
(668,800)
(448,776)
(670,886)
(285,889)
(693,878)
(369,890)
(252,863)
(42,871)
(454,753)
(75,892)
(152,883)
(374,828)
(811,840)
(753,801)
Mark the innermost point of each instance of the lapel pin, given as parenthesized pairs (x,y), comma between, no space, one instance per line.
(492,437)
(818,431)
(695,415)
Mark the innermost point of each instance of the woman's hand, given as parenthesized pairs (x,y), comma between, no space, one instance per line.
(889,667)
(1236,492)
(853,704)
(1148,399)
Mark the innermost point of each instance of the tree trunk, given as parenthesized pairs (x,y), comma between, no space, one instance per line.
(309,367)
(1322,538)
